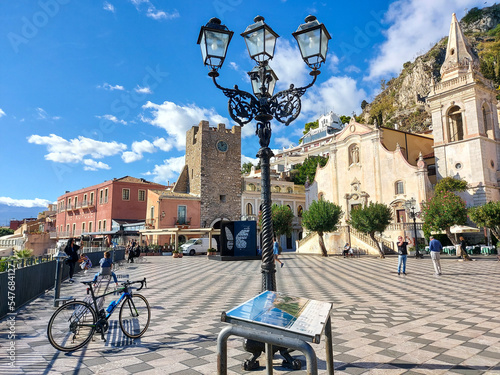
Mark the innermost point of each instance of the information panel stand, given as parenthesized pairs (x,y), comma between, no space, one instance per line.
(277,319)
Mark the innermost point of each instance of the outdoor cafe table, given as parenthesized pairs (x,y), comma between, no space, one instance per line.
(277,319)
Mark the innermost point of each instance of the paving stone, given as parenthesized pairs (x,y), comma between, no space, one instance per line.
(412,325)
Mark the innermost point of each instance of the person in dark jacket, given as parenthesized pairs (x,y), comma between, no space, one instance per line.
(71,251)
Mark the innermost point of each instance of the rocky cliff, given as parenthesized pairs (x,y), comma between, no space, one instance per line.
(401,104)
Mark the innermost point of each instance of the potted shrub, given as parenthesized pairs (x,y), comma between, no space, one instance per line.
(211,251)
(176,254)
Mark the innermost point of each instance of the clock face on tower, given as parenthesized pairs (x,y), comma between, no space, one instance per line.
(221,146)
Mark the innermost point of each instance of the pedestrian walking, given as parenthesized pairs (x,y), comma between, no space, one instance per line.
(463,249)
(71,251)
(276,251)
(435,248)
(402,253)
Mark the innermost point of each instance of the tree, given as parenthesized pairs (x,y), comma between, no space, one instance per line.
(282,217)
(345,119)
(370,219)
(488,216)
(442,211)
(307,169)
(5,231)
(246,167)
(322,216)
(450,184)
(364,103)
(310,125)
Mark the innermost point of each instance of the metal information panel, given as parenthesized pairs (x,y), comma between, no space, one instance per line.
(290,316)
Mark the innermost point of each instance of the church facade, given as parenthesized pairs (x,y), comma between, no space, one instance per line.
(384,165)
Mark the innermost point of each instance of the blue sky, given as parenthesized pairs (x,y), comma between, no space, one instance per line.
(93,90)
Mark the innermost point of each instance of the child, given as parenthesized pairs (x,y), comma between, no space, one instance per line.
(106,266)
(86,264)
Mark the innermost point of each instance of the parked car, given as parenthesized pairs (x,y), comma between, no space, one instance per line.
(197,246)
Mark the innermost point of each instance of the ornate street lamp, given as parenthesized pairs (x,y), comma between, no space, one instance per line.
(264,106)
(411,208)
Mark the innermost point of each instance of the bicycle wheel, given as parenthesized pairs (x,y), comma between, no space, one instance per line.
(71,326)
(134,316)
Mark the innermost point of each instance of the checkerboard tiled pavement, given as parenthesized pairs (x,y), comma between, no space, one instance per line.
(382,323)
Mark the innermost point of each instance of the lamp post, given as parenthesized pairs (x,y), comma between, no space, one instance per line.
(312,38)
(411,209)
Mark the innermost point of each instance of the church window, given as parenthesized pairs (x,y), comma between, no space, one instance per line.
(488,126)
(251,187)
(277,189)
(321,196)
(290,190)
(455,124)
(299,211)
(353,154)
(249,209)
(400,187)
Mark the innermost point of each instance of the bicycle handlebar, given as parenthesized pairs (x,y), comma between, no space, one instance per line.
(142,282)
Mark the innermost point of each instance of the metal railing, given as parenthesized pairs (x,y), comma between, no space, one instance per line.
(387,246)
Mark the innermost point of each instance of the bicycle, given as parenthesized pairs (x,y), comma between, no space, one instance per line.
(73,325)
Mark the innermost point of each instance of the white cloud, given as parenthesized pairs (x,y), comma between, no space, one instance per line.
(415,26)
(109,7)
(75,150)
(2,113)
(247,159)
(28,203)
(163,144)
(92,165)
(283,141)
(112,118)
(338,94)
(289,66)
(138,148)
(41,114)
(151,11)
(352,69)
(177,120)
(168,171)
(143,90)
(107,86)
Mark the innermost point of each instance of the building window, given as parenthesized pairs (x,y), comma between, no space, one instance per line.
(125,194)
(69,203)
(399,187)
(142,195)
(91,199)
(101,195)
(290,190)
(431,169)
(455,124)
(488,126)
(321,196)
(90,226)
(99,226)
(249,209)
(299,211)
(83,227)
(277,189)
(76,202)
(67,228)
(85,202)
(74,228)
(106,195)
(400,216)
(104,225)
(251,187)
(181,215)
(223,199)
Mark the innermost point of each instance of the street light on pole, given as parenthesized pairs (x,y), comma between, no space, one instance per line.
(312,38)
(411,209)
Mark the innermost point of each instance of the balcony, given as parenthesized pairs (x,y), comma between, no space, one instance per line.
(150,224)
(182,221)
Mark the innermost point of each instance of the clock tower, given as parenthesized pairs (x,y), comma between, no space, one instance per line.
(213,171)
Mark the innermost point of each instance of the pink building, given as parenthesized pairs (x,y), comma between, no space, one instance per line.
(101,210)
